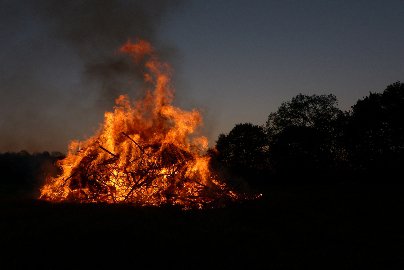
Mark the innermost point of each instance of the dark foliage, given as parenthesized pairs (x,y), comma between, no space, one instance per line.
(301,151)
(303,136)
(22,173)
(309,139)
(375,133)
(242,152)
(316,111)
(243,147)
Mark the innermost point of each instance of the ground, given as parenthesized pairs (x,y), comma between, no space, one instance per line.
(291,227)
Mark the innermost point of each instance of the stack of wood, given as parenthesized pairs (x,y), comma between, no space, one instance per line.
(160,174)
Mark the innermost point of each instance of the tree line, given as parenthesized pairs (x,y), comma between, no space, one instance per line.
(23,173)
(310,139)
(307,140)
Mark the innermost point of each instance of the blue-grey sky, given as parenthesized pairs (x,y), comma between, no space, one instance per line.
(235,60)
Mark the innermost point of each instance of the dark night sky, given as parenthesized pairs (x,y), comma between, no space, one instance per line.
(235,60)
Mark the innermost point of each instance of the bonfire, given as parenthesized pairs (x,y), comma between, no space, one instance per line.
(145,153)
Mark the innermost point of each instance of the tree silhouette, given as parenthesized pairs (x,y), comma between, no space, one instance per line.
(375,133)
(244,150)
(24,172)
(315,111)
(304,135)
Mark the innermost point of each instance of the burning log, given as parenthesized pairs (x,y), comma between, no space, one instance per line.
(109,152)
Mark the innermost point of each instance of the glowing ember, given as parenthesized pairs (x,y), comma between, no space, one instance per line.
(145,152)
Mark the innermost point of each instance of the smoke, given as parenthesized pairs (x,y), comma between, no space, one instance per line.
(60,66)
(96,28)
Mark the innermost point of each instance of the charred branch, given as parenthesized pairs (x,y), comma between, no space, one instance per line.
(138,145)
(109,152)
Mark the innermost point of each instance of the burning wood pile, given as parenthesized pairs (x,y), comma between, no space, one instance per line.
(145,153)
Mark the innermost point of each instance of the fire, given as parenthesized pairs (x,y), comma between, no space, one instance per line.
(146,152)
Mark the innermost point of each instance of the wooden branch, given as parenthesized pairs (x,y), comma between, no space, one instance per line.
(65,181)
(109,152)
(138,145)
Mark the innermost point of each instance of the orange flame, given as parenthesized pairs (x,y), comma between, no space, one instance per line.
(146,152)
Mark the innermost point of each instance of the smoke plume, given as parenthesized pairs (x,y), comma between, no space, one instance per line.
(60,65)
(96,28)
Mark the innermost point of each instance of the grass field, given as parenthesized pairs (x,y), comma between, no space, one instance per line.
(291,227)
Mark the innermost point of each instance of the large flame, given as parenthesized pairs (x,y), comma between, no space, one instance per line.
(146,152)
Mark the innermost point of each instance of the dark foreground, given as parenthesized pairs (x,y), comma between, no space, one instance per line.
(293,227)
